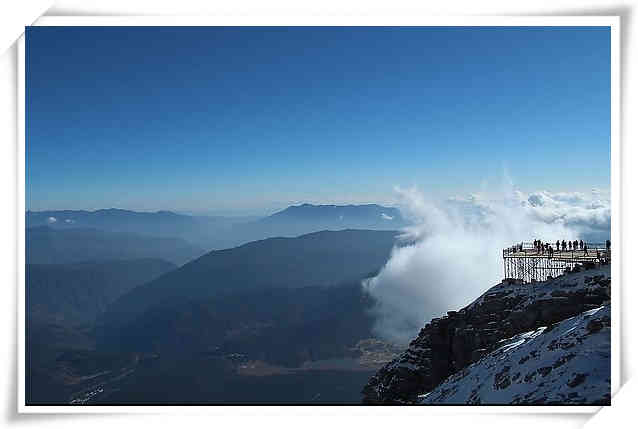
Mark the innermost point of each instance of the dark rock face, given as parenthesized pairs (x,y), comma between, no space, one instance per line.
(448,344)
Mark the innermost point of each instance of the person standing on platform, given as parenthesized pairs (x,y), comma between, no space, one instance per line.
(581,244)
(570,245)
(585,250)
(564,246)
(557,245)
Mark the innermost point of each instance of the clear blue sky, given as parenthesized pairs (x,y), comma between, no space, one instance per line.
(249,119)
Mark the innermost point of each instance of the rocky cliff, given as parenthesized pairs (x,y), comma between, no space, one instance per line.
(447,346)
(564,363)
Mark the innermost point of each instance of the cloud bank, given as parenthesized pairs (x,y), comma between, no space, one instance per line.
(455,246)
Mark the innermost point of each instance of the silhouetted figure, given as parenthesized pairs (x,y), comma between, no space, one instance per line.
(570,245)
(581,244)
(575,244)
(557,245)
(585,250)
(608,245)
(564,245)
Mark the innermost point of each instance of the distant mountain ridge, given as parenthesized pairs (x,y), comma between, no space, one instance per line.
(120,219)
(219,232)
(372,213)
(306,218)
(368,212)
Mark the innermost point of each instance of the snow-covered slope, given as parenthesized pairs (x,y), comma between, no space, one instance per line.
(564,363)
(449,344)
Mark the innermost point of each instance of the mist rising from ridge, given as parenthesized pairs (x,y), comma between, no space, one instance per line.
(456,250)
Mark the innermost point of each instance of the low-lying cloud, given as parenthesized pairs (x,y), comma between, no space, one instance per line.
(455,246)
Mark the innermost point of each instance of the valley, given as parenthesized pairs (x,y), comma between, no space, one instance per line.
(271,321)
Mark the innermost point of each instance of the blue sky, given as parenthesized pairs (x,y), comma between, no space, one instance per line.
(243,120)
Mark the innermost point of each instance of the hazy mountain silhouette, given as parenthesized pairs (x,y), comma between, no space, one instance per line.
(306,218)
(45,245)
(111,220)
(206,232)
(220,232)
(371,214)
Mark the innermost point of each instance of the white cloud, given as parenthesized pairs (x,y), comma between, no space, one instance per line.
(588,215)
(456,250)
(386,217)
(51,219)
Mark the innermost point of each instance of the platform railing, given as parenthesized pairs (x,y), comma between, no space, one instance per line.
(528,248)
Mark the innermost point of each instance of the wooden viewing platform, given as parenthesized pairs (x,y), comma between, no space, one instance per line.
(525,262)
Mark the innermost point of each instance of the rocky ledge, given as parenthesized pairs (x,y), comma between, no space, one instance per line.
(450,344)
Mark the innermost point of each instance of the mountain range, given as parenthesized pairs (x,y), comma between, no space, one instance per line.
(219,232)
(125,317)
(291,310)
(262,275)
